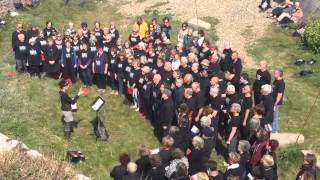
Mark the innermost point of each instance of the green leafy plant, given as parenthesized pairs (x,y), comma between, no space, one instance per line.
(311,36)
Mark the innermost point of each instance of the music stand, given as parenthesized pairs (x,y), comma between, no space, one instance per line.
(97,104)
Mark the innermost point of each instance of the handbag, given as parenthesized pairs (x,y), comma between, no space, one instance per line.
(130,90)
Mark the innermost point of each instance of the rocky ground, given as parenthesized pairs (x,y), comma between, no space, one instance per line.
(7,5)
(240,22)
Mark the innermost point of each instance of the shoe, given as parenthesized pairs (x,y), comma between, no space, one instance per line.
(103,90)
(116,93)
(133,107)
(137,109)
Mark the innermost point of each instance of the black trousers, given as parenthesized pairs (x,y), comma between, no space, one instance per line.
(101,81)
(34,70)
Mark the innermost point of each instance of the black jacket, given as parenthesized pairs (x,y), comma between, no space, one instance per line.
(118,172)
(66,101)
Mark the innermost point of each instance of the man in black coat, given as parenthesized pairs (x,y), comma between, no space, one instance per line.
(166,112)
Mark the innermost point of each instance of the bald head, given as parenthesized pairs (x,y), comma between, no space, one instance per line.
(157,78)
(263,65)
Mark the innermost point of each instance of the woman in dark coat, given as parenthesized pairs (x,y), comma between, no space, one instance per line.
(68,62)
(309,165)
(51,63)
(84,62)
(196,156)
(119,171)
(33,58)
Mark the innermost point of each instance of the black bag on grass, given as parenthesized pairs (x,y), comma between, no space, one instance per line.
(75,156)
(99,129)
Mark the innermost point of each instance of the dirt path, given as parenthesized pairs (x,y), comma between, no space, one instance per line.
(239,21)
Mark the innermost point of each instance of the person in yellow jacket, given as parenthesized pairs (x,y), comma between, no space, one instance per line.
(142,26)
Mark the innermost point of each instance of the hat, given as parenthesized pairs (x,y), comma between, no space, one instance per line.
(205,62)
(208,132)
(167,92)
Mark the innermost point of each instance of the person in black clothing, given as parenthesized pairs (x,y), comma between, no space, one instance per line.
(278,86)
(122,64)
(268,103)
(272,146)
(233,127)
(213,172)
(118,172)
(33,58)
(267,164)
(100,68)
(147,96)
(234,168)
(157,171)
(14,36)
(235,70)
(143,162)
(33,32)
(52,61)
(68,62)
(20,53)
(114,33)
(243,150)
(112,69)
(166,112)
(262,77)
(246,105)
(132,172)
(196,157)
(66,103)
(84,62)
(98,32)
(166,27)
(309,165)
(49,30)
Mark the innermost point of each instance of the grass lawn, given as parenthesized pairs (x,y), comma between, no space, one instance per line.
(29,108)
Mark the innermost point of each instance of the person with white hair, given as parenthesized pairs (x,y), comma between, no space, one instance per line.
(268,103)
(34,58)
(20,53)
(267,162)
(196,157)
(132,172)
(233,127)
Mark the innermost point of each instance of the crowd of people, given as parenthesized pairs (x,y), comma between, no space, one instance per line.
(191,93)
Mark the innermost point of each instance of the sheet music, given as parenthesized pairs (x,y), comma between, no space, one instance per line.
(97,105)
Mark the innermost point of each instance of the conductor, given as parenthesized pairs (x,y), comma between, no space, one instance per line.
(66,109)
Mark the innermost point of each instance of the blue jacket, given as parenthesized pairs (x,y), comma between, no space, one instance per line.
(66,55)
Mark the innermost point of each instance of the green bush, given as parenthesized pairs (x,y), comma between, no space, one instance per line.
(311,35)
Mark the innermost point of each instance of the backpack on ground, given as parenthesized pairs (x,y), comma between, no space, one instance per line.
(99,129)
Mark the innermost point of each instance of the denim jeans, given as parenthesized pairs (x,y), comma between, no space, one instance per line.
(233,144)
(135,96)
(275,119)
(21,65)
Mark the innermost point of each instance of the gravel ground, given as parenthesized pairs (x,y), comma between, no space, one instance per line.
(239,21)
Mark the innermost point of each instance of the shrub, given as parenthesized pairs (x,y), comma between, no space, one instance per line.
(311,35)
(17,165)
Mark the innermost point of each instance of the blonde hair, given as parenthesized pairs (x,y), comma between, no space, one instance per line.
(132,167)
(236,106)
(234,157)
(197,142)
(167,141)
(267,160)
(202,176)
